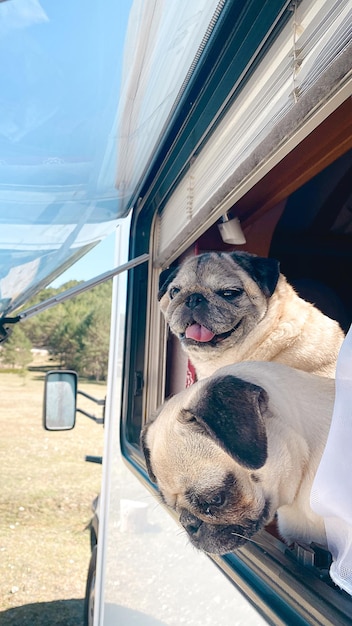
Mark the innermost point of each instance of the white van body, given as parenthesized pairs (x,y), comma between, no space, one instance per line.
(283,128)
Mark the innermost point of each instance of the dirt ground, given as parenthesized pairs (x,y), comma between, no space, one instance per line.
(45,507)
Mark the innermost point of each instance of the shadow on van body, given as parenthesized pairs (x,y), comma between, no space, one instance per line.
(123,615)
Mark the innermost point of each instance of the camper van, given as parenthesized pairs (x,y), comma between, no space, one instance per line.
(234,132)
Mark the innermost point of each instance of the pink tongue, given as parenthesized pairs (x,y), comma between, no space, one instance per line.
(199,333)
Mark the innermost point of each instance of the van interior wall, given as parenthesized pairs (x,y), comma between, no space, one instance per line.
(313,240)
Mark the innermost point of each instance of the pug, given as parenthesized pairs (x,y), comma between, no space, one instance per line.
(237,449)
(231,307)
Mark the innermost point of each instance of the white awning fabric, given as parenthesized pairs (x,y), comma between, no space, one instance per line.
(163,44)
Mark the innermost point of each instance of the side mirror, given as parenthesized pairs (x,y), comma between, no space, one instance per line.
(60,397)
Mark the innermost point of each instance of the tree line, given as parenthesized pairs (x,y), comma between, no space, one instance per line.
(75,332)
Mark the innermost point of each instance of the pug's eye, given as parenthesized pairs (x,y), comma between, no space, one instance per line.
(229,294)
(173,292)
(216,501)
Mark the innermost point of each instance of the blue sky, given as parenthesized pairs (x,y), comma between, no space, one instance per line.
(101,258)
(97,261)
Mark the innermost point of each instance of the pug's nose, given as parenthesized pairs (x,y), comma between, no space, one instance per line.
(194,299)
(190,522)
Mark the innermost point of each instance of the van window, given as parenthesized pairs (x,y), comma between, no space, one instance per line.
(315,252)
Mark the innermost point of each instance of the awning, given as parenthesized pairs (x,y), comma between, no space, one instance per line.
(59,86)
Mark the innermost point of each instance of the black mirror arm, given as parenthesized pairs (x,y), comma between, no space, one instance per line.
(101,402)
(97,420)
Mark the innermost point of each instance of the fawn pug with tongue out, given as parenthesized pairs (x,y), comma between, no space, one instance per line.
(231,307)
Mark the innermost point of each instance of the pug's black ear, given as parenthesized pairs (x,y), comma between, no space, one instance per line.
(230,411)
(165,279)
(263,270)
(146,452)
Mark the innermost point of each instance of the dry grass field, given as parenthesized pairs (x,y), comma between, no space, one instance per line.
(45,506)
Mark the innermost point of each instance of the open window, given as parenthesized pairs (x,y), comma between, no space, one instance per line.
(310,233)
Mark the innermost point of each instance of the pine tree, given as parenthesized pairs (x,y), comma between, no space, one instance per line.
(16,351)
